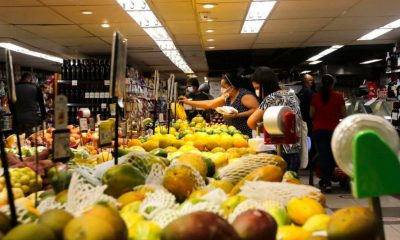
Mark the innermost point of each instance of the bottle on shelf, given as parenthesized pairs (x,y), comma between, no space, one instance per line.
(78,70)
(68,70)
(73,70)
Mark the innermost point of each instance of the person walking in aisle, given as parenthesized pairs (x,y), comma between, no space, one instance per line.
(193,92)
(29,101)
(305,96)
(237,93)
(327,108)
(266,82)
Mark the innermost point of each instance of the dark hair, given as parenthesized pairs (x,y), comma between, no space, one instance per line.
(267,79)
(25,76)
(327,83)
(237,81)
(193,82)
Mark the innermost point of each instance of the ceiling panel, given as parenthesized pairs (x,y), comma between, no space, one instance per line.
(275,45)
(375,8)
(190,48)
(56,31)
(127,29)
(229,11)
(182,27)
(298,25)
(8,31)
(77,41)
(17,3)
(336,36)
(100,14)
(31,15)
(324,44)
(78,2)
(376,41)
(220,1)
(283,37)
(187,39)
(310,9)
(177,11)
(356,23)
(221,27)
(99,48)
(46,46)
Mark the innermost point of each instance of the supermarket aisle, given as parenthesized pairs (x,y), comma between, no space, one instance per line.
(390,207)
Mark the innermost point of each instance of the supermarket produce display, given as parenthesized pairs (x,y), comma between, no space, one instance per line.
(197,181)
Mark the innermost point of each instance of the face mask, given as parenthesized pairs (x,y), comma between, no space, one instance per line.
(190,89)
(258,92)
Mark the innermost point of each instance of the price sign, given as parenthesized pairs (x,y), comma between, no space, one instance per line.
(106,82)
(161,117)
(103,105)
(60,112)
(74,82)
(113,109)
(83,125)
(61,143)
(105,133)
(124,129)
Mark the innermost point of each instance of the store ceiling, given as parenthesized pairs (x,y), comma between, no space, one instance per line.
(58,27)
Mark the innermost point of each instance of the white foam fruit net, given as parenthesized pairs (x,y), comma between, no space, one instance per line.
(155,202)
(262,191)
(189,207)
(247,204)
(164,217)
(236,171)
(199,180)
(21,211)
(156,175)
(81,197)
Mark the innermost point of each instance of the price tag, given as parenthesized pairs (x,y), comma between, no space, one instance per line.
(60,112)
(74,82)
(105,133)
(161,117)
(83,125)
(103,105)
(97,95)
(102,95)
(61,145)
(124,129)
(91,94)
(107,95)
(106,82)
(113,109)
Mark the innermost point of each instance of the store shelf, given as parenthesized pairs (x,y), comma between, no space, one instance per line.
(6,114)
(394,71)
(69,82)
(83,104)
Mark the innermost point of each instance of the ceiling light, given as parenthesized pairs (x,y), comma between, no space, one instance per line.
(210,20)
(305,71)
(371,61)
(26,51)
(315,62)
(210,40)
(392,25)
(140,11)
(209,5)
(105,25)
(374,34)
(192,76)
(211,47)
(256,15)
(210,30)
(252,26)
(324,53)
(86,12)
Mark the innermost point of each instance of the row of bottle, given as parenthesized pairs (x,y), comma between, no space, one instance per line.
(86,94)
(94,111)
(86,69)
(392,60)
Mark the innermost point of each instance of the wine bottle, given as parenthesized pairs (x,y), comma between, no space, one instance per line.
(68,70)
(92,70)
(63,69)
(73,70)
(78,70)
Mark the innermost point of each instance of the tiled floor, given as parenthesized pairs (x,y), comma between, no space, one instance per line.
(390,207)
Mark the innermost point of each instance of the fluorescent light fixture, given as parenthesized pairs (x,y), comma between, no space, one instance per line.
(210,30)
(86,12)
(324,53)
(26,51)
(305,71)
(192,76)
(105,25)
(371,61)
(374,34)
(211,47)
(252,26)
(392,25)
(140,11)
(210,40)
(315,62)
(258,12)
(210,20)
(209,5)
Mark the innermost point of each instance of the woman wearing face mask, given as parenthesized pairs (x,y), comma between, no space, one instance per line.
(192,92)
(235,92)
(266,81)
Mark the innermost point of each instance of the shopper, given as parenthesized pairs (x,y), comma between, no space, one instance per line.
(29,101)
(205,88)
(237,93)
(305,96)
(193,93)
(267,82)
(327,108)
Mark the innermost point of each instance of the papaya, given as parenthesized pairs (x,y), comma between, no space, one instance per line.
(268,173)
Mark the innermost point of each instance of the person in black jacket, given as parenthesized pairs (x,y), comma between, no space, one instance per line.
(29,101)
(305,96)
